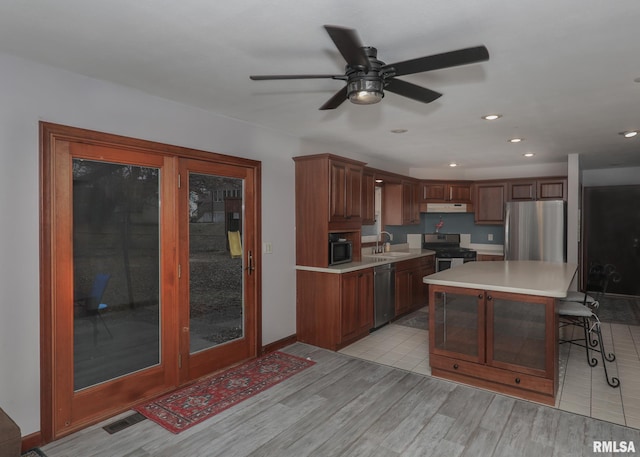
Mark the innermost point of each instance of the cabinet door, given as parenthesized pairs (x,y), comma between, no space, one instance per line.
(410,207)
(338,197)
(519,333)
(489,207)
(433,192)
(522,191)
(552,189)
(459,193)
(489,258)
(345,201)
(368,198)
(357,303)
(353,185)
(404,291)
(457,323)
(419,289)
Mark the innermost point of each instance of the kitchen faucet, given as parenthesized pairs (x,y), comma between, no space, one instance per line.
(381,237)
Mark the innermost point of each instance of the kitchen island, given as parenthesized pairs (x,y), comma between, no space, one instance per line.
(494,325)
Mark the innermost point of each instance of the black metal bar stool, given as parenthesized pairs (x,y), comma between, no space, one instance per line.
(580,310)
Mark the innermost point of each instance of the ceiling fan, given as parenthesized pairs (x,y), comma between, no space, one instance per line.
(367,77)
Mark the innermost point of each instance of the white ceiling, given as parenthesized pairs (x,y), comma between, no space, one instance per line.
(561,72)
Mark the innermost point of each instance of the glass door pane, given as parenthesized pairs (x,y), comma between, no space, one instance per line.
(116,270)
(519,333)
(216,290)
(457,324)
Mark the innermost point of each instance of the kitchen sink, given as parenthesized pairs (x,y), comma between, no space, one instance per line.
(386,256)
(396,254)
(378,258)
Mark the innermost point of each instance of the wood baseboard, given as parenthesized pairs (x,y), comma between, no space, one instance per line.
(31,441)
(276,345)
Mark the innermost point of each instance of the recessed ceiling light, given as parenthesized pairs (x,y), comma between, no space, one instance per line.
(378,180)
(491,117)
(515,140)
(528,154)
(399,131)
(629,133)
(453,164)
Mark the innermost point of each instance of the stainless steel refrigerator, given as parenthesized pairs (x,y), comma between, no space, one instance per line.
(536,230)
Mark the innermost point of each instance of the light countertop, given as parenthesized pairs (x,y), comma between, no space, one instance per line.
(369,261)
(528,277)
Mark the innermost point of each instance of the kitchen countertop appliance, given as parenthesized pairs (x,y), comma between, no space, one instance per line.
(384,294)
(449,254)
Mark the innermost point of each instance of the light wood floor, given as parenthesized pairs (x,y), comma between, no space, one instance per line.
(345,406)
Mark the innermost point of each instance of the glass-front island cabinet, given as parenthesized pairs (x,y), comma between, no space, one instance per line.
(501,340)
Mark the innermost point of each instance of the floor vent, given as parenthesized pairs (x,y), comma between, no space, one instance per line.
(121,424)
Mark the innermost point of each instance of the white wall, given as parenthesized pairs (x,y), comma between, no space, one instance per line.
(611,177)
(30,93)
(507,172)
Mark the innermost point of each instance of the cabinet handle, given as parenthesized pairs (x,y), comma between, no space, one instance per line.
(455,366)
(480,296)
(489,297)
(517,380)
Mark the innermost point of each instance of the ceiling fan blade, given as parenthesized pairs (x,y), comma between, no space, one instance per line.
(437,61)
(349,45)
(270,77)
(420,94)
(336,100)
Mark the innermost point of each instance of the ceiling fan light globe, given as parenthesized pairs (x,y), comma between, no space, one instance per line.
(364,91)
(365,97)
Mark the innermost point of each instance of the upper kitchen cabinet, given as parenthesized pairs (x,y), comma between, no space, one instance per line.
(537,189)
(490,198)
(328,199)
(368,197)
(521,190)
(552,189)
(445,191)
(400,203)
(345,195)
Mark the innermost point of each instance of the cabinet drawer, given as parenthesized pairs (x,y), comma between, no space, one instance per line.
(497,375)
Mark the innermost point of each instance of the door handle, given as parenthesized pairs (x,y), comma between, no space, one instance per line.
(250,266)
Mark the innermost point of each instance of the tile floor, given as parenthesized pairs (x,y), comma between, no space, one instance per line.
(582,390)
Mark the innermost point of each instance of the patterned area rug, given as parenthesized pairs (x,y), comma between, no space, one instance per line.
(193,404)
(620,309)
(417,319)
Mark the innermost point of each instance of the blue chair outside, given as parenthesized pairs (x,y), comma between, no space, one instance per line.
(93,305)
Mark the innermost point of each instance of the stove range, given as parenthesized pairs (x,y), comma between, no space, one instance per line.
(449,254)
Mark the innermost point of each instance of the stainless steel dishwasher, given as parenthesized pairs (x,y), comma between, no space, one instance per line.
(384,294)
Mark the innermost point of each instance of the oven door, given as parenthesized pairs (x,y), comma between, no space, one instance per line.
(447,263)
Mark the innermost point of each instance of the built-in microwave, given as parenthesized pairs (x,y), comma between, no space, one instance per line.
(340,250)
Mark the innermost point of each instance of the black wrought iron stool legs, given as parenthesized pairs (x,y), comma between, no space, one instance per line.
(592,342)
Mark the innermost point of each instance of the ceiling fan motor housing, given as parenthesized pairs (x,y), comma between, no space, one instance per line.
(365,86)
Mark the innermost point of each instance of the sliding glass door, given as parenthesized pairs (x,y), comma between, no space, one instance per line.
(149,271)
(216,267)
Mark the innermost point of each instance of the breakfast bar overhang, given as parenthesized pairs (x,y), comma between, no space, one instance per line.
(494,325)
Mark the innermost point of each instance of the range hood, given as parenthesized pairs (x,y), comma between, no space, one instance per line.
(446,207)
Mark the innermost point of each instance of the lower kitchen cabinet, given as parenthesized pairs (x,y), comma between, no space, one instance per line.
(357,304)
(411,291)
(333,310)
(501,341)
(489,257)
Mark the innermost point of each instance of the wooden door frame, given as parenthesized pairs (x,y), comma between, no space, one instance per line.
(49,133)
